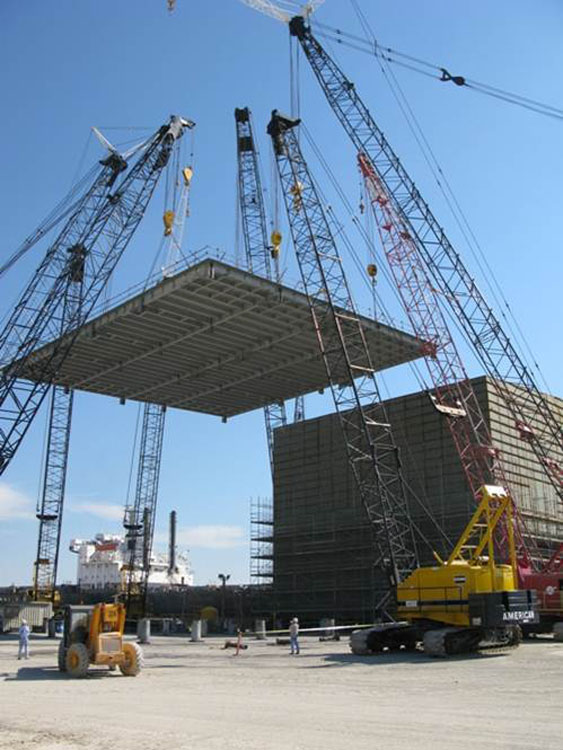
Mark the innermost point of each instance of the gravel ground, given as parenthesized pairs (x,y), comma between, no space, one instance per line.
(198,694)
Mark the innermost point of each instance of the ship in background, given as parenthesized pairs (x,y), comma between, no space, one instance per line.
(103,562)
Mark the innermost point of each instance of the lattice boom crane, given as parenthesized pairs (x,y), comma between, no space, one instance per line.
(443,267)
(261,253)
(372,452)
(468,602)
(533,417)
(56,303)
(140,517)
(94,239)
(454,395)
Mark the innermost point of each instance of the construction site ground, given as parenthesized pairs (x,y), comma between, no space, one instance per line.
(201,695)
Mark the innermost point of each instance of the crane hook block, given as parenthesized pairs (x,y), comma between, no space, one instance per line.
(372,270)
(168,220)
(297,191)
(187,174)
(275,239)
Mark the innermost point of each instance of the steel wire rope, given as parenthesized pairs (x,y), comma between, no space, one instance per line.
(386,317)
(277,217)
(487,272)
(163,237)
(341,233)
(191,155)
(61,211)
(82,158)
(458,214)
(382,265)
(291,78)
(264,190)
(238,225)
(447,309)
(173,180)
(191,165)
(439,73)
(368,242)
(43,460)
(133,456)
(126,127)
(370,245)
(297,79)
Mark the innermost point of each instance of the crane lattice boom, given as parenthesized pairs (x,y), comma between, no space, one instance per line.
(453,395)
(260,253)
(53,307)
(372,452)
(533,417)
(140,518)
(90,244)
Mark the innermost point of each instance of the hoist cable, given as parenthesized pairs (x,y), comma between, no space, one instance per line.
(60,212)
(385,318)
(454,206)
(238,228)
(133,455)
(488,275)
(431,70)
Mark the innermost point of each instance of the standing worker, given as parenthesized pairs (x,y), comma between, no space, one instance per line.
(24,640)
(294,635)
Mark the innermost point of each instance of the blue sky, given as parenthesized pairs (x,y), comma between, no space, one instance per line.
(68,65)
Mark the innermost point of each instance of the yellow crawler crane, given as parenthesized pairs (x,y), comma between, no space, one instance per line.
(468,602)
(94,635)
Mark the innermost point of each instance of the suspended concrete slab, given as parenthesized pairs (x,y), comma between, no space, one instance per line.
(212,339)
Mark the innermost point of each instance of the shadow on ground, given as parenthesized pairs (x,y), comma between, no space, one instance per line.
(52,673)
(394,657)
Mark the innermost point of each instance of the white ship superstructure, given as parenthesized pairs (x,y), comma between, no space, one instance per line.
(103,563)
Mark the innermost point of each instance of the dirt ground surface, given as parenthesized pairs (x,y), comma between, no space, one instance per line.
(200,695)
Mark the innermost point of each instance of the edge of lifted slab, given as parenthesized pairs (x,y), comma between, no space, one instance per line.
(212,339)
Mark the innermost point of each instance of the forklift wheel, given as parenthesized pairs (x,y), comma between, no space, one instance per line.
(77,660)
(62,657)
(133,660)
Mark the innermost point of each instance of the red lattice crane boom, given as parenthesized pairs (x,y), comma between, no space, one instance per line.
(513,380)
(533,417)
(453,395)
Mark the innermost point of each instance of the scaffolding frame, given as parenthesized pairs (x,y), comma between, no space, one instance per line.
(262,541)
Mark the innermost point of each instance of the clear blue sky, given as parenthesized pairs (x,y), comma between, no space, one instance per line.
(68,65)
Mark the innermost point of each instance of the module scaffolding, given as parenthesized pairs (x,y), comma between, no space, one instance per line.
(261,541)
(325,562)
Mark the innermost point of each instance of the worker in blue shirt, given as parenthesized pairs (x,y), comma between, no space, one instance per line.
(294,635)
(24,640)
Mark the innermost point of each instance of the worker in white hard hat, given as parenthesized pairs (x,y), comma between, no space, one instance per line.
(294,636)
(24,640)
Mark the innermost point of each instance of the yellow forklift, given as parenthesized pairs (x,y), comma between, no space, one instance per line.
(93,634)
(467,603)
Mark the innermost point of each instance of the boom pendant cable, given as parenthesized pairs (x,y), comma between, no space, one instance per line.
(370,46)
(453,204)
